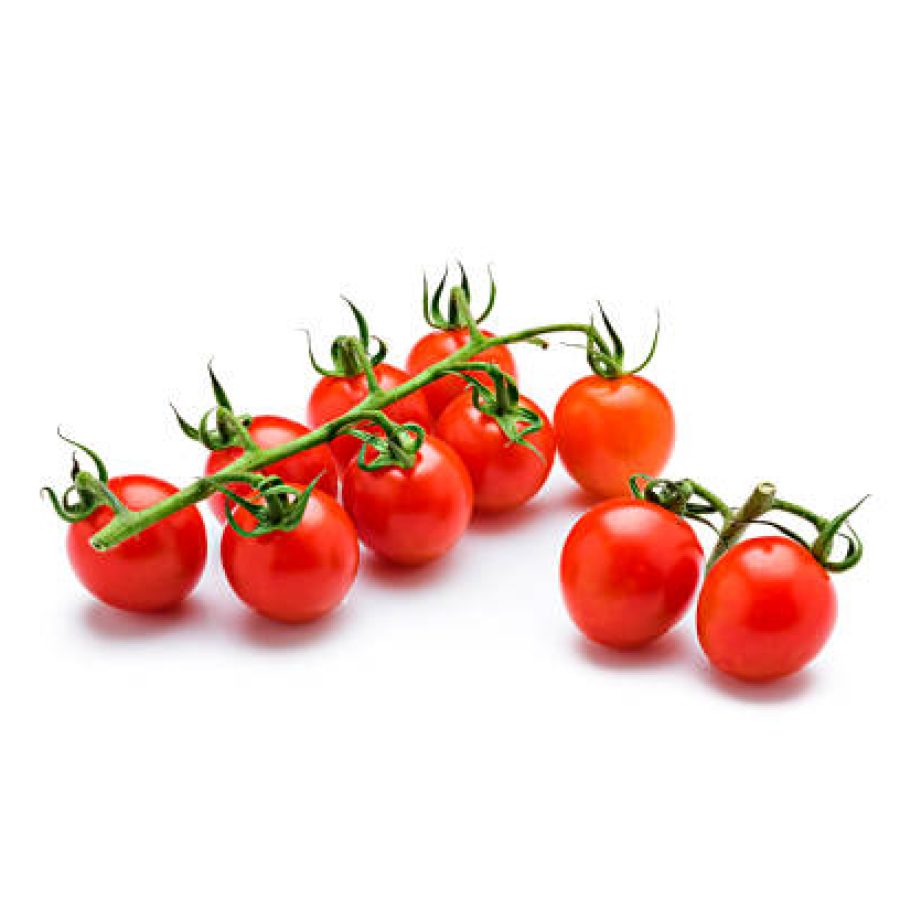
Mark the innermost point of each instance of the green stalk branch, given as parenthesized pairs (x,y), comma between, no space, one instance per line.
(130,523)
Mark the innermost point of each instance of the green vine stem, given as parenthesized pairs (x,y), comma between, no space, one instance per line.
(123,526)
(754,508)
(679,497)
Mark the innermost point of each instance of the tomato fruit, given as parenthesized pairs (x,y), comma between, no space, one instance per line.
(438,345)
(766,609)
(294,576)
(608,429)
(334,395)
(629,570)
(504,474)
(269,432)
(411,516)
(152,571)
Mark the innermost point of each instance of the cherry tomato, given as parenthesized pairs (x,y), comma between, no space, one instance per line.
(438,345)
(152,571)
(294,576)
(334,395)
(269,432)
(610,428)
(766,609)
(411,516)
(504,475)
(629,570)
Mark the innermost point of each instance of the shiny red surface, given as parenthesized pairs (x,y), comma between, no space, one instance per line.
(154,570)
(629,571)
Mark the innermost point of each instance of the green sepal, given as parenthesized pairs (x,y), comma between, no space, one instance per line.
(350,354)
(821,547)
(86,492)
(459,305)
(398,448)
(502,405)
(231,428)
(607,358)
(282,508)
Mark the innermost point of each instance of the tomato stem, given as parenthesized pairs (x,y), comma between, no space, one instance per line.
(122,527)
(756,505)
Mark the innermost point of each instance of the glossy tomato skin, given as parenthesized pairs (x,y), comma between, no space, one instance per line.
(294,576)
(411,516)
(629,571)
(504,475)
(272,431)
(766,609)
(150,572)
(332,397)
(609,429)
(438,345)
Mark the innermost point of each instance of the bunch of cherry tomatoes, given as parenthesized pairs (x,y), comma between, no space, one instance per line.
(406,482)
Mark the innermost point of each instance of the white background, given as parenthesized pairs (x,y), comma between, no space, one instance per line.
(182,180)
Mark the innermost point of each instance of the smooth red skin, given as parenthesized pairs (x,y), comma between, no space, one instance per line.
(332,397)
(294,576)
(438,345)
(411,516)
(269,432)
(152,571)
(766,609)
(504,475)
(629,571)
(609,429)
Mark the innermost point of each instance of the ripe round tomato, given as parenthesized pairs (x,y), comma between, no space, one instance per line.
(152,571)
(608,429)
(294,576)
(438,345)
(411,516)
(766,609)
(269,432)
(504,475)
(335,395)
(629,570)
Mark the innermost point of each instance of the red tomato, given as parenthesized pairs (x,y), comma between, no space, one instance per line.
(152,571)
(268,432)
(629,570)
(608,429)
(294,576)
(766,609)
(438,345)
(333,396)
(504,475)
(411,516)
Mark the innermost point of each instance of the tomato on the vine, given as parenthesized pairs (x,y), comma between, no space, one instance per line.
(294,576)
(334,395)
(609,428)
(411,516)
(438,345)
(766,609)
(504,474)
(269,432)
(629,570)
(150,572)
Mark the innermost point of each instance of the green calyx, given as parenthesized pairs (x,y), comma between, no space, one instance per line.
(606,354)
(87,492)
(276,506)
(459,304)
(230,429)
(689,499)
(351,354)
(502,405)
(398,447)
